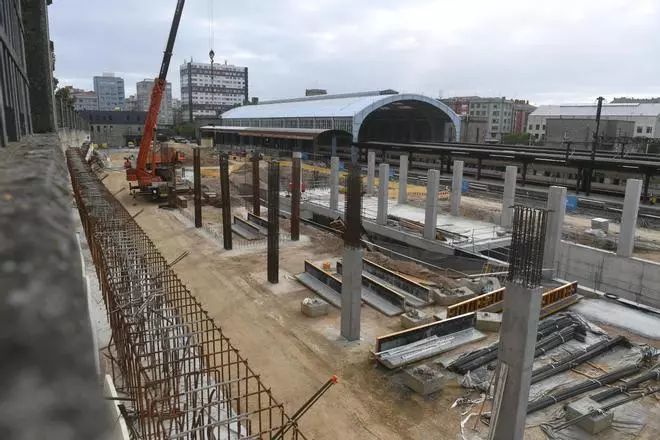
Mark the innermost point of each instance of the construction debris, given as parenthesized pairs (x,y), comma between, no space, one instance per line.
(423,379)
(314,307)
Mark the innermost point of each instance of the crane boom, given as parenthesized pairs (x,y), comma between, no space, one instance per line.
(141,173)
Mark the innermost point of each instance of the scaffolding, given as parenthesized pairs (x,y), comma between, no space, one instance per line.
(184,377)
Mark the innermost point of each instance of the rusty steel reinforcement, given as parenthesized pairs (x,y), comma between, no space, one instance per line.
(295,199)
(197,186)
(353,208)
(273,222)
(256,202)
(226,201)
(527,241)
(184,377)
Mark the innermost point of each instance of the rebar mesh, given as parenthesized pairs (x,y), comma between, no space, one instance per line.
(527,242)
(186,378)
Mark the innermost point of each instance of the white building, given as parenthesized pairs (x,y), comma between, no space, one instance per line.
(645,116)
(143,99)
(110,91)
(85,100)
(214,89)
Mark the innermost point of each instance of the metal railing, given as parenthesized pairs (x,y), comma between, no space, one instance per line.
(15,119)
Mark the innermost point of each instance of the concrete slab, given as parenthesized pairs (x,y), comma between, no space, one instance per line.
(415,318)
(593,424)
(423,379)
(488,322)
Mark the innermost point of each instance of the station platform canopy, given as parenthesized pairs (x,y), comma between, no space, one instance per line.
(306,134)
(367,116)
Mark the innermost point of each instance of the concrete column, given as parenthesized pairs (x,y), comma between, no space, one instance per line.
(334,183)
(431,218)
(296,183)
(509,197)
(456,188)
(371,171)
(557,208)
(403,178)
(383,183)
(629,218)
(38,65)
(334,145)
(513,374)
(351,292)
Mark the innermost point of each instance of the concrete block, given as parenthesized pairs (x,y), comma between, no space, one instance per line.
(602,224)
(444,298)
(592,424)
(415,318)
(423,379)
(488,284)
(488,322)
(314,307)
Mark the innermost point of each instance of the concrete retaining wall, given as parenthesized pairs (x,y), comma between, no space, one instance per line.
(631,278)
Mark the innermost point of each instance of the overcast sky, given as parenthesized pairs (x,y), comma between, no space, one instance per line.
(545,51)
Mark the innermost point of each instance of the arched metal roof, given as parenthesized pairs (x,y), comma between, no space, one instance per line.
(357,107)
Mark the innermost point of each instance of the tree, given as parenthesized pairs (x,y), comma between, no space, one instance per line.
(186,130)
(64,94)
(516,138)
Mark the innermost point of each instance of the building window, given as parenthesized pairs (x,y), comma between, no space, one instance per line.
(543,126)
(639,130)
(496,113)
(530,126)
(649,130)
(538,126)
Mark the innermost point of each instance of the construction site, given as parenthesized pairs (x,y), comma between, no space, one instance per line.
(265,285)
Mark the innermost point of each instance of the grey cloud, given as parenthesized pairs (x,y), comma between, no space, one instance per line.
(546,52)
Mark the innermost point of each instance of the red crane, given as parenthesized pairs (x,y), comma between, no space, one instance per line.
(148,180)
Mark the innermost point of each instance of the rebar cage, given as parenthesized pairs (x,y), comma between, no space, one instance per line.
(185,377)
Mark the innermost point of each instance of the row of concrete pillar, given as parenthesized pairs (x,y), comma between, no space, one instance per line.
(556,202)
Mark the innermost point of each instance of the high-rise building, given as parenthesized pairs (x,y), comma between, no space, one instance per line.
(177,115)
(110,91)
(211,89)
(144,88)
(84,100)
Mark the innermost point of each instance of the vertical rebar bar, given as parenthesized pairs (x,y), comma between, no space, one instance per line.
(226,201)
(295,199)
(353,206)
(256,202)
(273,221)
(527,242)
(197,173)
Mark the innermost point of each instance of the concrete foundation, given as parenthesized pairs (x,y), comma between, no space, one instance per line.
(509,196)
(383,190)
(592,424)
(601,224)
(314,307)
(456,188)
(514,368)
(629,218)
(423,379)
(351,292)
(334,183)
(371,171)
(415,319)
(403,178)
(488,322)
(557,208)
(431,214)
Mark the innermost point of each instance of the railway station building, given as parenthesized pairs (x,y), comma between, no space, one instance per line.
(385,116)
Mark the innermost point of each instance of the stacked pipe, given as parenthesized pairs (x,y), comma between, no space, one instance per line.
(631,384)
(576,359)
(551,333)
(582,387)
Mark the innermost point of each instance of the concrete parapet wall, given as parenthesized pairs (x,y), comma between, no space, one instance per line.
(633,279)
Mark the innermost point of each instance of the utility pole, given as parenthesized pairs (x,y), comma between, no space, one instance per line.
(594,144)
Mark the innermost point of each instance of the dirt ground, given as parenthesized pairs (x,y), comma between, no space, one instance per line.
(294,354)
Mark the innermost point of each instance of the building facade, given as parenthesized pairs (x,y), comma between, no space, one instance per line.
(110,92)
(645,116)
(131,104)
(115,128)
(143,98)
(85,100)
(209,90)
(502,115)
